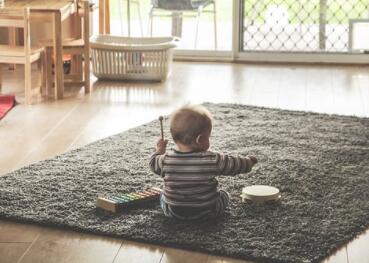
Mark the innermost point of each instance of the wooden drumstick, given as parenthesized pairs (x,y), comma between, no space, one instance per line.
(161,127)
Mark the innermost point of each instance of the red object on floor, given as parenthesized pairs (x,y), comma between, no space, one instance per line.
(6,103)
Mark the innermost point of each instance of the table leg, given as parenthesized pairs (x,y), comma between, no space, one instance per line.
(76,60)
(58,56)
(177,21)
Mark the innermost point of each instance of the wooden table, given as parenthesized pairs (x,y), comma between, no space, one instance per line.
(54,11)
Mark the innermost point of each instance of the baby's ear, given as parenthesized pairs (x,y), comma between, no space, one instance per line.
(199,138)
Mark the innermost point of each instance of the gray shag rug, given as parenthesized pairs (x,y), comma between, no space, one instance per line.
(319,162)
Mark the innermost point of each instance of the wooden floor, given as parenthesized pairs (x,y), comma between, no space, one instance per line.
(32,133)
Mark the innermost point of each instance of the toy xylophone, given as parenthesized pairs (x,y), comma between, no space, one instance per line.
(115,203)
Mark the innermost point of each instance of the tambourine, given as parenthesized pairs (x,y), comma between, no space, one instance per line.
(260,194)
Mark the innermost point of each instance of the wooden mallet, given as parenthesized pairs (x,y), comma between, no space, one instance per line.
(161,127)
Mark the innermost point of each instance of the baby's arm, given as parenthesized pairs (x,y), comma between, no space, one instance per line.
(156,159)
(230,165)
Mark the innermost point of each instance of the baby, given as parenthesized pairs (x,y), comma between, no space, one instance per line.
(189,171)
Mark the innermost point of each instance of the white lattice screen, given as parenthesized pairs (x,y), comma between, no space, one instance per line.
(301,25)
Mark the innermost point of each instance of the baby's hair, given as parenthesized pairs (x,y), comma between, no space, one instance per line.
(188,122)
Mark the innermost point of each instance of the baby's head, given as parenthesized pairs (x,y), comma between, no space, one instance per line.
(190,127)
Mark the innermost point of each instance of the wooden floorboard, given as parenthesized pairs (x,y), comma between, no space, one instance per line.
(12,232)
(32,133)
(66,246)
(12,252)
(129,252)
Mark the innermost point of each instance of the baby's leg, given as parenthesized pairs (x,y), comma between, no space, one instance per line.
(165,207)
(183,213)
(221,206)
(222,203)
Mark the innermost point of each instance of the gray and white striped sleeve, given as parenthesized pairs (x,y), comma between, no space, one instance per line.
(156,163)
(230,165)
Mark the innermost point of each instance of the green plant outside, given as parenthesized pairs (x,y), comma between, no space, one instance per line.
(299,11)
(307,11)
(224,10)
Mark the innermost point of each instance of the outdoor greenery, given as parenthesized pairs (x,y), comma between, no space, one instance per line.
(224,10)
(298,11)
(307,11)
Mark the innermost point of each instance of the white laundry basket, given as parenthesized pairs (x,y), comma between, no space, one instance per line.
(115,57)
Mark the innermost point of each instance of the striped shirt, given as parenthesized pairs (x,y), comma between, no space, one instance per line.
(189,178)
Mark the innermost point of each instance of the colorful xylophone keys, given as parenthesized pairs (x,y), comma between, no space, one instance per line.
(115,203)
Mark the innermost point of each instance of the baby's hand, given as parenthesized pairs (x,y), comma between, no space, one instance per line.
(253,159)
(161,146)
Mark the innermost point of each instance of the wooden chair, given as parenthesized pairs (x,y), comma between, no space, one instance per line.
(178,8)
(77,47)
(26,54)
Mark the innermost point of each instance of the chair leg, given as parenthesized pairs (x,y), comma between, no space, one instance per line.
(77,67)
(48,71)
(73,67)
(199,11)
(44,75)
(86,50)
(12,41)
(27,83)
(120,13)
(139,16)
(86,69)
(42,70)
(129,17)
(151,20)
(87,75)
(215,26)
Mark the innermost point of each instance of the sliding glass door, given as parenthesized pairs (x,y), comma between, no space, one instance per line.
(262,30)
